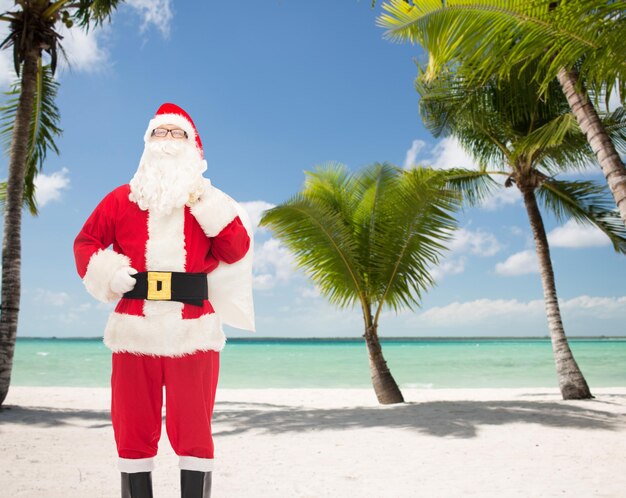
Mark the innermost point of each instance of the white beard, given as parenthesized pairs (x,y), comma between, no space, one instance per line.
(168,176)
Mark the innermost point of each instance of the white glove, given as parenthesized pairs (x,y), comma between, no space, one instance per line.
(200,192)
(122,281)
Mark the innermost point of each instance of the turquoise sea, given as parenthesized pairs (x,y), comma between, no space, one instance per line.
(343,363)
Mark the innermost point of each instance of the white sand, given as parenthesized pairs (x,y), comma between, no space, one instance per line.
(58,442)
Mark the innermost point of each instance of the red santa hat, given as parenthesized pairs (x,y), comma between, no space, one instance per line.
(170,113)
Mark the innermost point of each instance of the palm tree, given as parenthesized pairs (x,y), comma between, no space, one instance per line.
(579,42)
(368,238)
(528,140)
(32,30)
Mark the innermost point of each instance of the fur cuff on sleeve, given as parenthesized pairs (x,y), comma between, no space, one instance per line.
(100,270)
(214,210)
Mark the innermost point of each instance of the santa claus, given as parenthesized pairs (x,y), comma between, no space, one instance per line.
(179,268)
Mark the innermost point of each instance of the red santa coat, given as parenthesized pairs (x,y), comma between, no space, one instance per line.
(213,236)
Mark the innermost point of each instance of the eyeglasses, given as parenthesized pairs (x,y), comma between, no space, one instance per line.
(162,132)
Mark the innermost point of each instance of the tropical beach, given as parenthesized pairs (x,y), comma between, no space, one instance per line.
(318,249)
(310,443)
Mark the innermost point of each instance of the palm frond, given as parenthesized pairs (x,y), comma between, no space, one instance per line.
(615,125)
(492,37)
(422,212)
(505,123)
(372,187)
(586,202)
(472,186)
(44,128)
(561,146)
(322,243)
(331,185)
(371,236)
(90,13)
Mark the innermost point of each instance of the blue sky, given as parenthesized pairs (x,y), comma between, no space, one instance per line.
(276,88)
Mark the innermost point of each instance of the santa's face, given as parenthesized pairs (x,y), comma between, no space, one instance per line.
(169,173)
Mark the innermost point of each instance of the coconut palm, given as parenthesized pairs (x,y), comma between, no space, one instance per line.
(579,42)
(368,238)
(514,133)
(33,29)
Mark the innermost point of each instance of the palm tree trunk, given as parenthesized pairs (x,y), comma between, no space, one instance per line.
(571,381)
(385,386)
(602,145)
(12,246)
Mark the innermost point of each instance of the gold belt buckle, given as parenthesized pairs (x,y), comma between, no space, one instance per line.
(159,286)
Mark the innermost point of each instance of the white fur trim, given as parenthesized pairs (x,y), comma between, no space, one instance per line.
(164,334)
(102,266)
(195,463)
(165,251)
(174,119)
(134,465)
(230,285)
(214,210)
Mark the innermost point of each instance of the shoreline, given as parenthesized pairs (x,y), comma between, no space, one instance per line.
(323,442)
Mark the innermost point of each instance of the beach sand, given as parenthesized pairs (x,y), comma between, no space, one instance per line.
(58,442)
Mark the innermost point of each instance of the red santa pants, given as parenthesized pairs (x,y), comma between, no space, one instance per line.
(137,383)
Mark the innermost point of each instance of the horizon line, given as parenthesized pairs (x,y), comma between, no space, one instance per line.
(360,337)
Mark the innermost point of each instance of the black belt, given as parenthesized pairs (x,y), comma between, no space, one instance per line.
(191,288)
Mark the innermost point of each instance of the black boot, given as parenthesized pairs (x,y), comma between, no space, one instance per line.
(137,485)
(195,484)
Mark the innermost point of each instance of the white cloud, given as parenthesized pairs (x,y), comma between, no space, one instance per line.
(255,211)
(157,13)
(273,264)
(515,230)
(7,73)
(599,307)
(49,187)
(84,50)
(503,196)
(448,153)
(481,310)
(465,241)
(476,242)
(573,234)
(51,298)
(448,267)
(310,292)
(520,263)
(411,154)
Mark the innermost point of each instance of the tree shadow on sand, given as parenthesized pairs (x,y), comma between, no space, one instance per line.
(457,419)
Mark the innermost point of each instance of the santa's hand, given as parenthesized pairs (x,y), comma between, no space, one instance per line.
(213,210)
(199,193)
(122,281)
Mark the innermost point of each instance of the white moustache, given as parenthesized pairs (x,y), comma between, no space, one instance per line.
(167,147)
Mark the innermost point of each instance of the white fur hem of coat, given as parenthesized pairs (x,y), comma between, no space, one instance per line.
(214,210)
(100,271)
(163,335)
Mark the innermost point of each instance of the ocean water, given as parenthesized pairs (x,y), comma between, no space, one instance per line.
(343,363)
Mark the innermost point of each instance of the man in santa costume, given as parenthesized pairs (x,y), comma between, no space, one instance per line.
(179,268)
